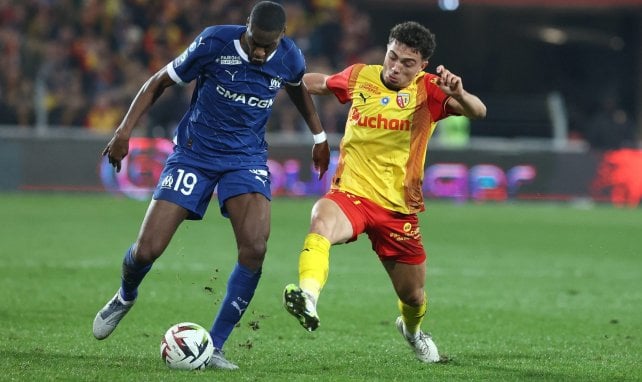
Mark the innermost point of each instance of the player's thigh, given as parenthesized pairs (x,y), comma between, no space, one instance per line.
(336,218)
(244,195)
(160,223)
(250,217)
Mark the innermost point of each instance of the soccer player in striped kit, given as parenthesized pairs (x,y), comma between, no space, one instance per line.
(377,187)
(220,141)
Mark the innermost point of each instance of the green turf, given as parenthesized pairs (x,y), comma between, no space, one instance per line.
(517,292)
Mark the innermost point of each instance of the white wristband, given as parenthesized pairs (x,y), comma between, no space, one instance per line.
(320,138)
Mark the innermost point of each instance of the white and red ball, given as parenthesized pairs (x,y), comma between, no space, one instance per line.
(186,346)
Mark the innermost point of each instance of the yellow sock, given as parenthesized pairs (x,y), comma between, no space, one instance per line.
(314,263)
(413,315)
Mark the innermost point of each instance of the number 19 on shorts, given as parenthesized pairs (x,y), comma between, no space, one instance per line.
(185,182)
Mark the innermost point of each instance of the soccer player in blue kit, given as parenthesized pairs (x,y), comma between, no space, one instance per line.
(219,142)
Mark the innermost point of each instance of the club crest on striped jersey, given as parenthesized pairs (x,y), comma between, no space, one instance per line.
(403,99)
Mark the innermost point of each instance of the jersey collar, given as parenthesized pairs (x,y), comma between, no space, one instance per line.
(244,56)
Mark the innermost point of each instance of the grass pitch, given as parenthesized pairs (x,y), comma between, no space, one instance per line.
(517,292)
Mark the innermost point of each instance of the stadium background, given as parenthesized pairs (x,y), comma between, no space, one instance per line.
(563,85)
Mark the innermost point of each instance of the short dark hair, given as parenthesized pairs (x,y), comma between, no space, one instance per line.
(268,16)
(416,36)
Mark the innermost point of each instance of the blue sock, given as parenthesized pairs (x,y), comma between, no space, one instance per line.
(240,290)
(132,275)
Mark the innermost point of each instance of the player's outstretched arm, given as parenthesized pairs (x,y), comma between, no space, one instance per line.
(118,146)
(316,83)
(321,151)
(461,101)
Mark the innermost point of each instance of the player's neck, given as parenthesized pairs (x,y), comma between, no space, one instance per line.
(388,86)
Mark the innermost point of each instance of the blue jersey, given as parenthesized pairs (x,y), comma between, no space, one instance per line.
(233,98)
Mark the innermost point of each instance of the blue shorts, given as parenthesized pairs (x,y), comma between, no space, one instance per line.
(191,183)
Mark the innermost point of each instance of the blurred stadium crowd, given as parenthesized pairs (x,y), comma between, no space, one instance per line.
(78,63)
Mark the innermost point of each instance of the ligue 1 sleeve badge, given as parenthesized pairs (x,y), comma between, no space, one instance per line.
(403,99)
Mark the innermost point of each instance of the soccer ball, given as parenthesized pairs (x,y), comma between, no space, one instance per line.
(186,346)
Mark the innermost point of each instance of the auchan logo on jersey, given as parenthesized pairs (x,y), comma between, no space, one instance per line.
(379,121)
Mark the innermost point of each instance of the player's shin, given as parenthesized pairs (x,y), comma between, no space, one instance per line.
(132,275)
(314,264)
(240,290)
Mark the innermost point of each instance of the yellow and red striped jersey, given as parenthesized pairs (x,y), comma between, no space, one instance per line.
(383,151)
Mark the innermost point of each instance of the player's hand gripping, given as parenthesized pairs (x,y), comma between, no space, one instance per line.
(450,83)
(321,157)
(116,150)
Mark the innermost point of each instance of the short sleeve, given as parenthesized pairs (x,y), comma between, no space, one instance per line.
(297,66)
(339,84)
(187,66)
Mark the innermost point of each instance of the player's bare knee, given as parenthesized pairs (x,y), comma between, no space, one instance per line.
(252,254)
(412,297)
(320,226)
(148,252)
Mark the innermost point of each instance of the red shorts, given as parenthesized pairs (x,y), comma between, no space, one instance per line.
(394,236)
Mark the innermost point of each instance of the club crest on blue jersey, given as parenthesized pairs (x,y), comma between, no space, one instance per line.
(275,83)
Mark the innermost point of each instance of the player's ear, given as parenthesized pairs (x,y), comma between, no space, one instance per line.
(424,64)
